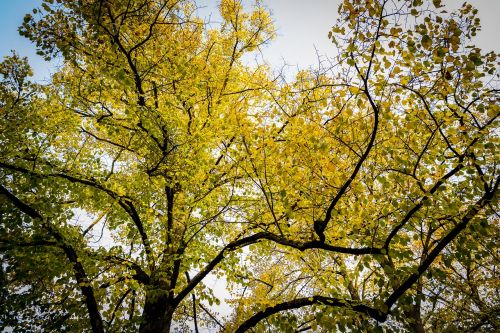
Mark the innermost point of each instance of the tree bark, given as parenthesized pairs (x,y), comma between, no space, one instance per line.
(416,325)
(157,313)
(415,315)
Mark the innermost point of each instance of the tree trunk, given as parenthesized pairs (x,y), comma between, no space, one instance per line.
(415,315)
(416,324)
(157,314)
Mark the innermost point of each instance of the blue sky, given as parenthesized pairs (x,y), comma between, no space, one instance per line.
(11,17)
(302,29)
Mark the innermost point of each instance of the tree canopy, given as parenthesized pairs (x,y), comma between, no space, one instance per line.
(358,196)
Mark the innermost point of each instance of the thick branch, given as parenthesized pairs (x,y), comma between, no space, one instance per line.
(308,301)
(78,270)
(124,202)
(20,205)
(140,275)
(212,264)
(398,292)
(320,225)
(419,205)
(471,213)
(271,237)
(6,244)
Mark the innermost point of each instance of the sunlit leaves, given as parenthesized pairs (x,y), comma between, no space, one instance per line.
(154,147)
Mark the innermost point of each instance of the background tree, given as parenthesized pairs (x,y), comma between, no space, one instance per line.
(360,195)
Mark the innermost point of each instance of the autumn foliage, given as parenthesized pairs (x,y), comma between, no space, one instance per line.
(358,196)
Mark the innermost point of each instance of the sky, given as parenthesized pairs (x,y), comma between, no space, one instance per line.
(302,30)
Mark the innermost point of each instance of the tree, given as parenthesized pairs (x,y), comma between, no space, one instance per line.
(361,195)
